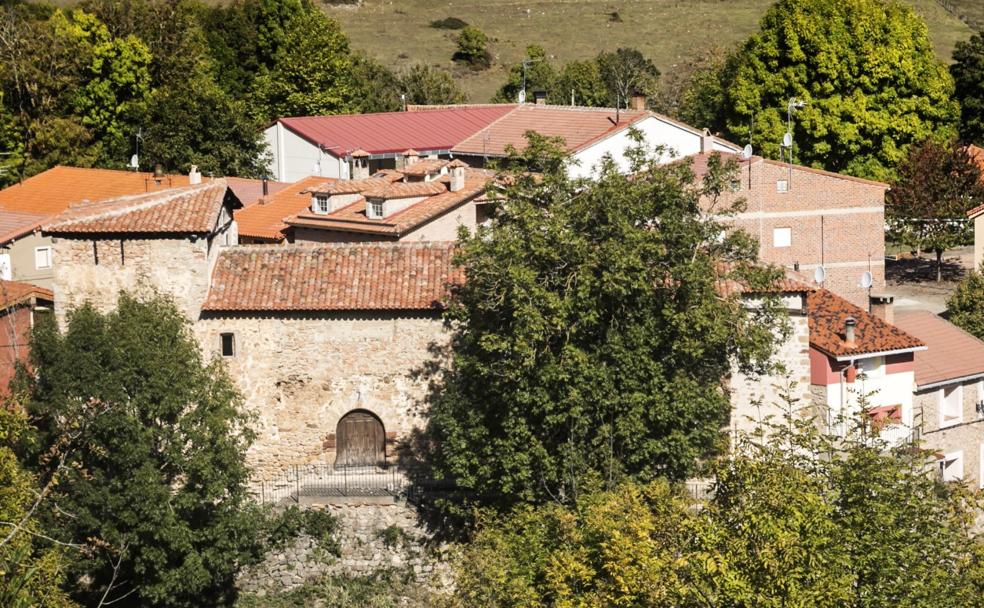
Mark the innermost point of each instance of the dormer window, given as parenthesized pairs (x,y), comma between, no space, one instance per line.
(321,204)
(374,209)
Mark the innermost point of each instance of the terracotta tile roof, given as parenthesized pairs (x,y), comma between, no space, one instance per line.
(405,190)
(425,166)
(577,126)
(266,219)
(334,277)
(16,292)
(188,210)
(250,191)
(352,218)
(952,353)
(52,192)
(729,287)
(394,132)
(827,313)
(15,224)
(352,186)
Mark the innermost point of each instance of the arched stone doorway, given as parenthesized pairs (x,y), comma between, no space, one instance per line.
(361,440)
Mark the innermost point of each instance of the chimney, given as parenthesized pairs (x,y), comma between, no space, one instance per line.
(410,157)
(360,164)
(194,177)
(457,175)
(637,101)
(706,142)
(540,98)
(266,187)
(158,173)
(850,324)
(881,306)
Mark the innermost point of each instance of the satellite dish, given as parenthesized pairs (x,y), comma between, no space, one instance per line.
(820,274)
(787,140)
(866,280)
(134,162)
(522,96)
(746,153)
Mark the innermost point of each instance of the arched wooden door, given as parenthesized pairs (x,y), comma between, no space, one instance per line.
(361,440)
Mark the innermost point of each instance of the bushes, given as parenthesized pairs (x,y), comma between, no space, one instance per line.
(473,48)
(449,23)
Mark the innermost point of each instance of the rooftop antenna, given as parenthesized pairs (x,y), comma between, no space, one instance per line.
(867,280)
(819,275)
(135,159)
(522,91)
(746,156)
(403,100)
(787,140)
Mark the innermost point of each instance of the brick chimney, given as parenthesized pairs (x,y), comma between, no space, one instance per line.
(882,306)
(457,175)
(194,177)
(637,101)
(540,98)
(850,325)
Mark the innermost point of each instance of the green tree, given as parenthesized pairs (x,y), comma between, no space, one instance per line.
(30,574)
(965,308)
(937,183)
(312,73)
(866,70)
(967,70)
(625,72)
(581,82)
(156,487)
(473,48)
(425,85)
(193,121)
(694,92)
(592,337)
(539,72)
(377,88)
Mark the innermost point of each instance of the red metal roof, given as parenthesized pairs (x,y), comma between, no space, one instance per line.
(394,132)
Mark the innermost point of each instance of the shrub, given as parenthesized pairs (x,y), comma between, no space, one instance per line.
(449,23)
(473,48)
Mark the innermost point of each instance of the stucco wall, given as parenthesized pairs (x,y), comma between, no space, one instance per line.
(23,267)
(966,435)
(300,374)
(294,158)
(177,267)
(756,398)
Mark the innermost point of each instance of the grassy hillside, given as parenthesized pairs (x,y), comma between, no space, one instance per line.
(398,32)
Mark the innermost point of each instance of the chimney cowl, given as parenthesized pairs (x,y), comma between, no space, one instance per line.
(266,187)
(850,329)
(194,177)
(158,171)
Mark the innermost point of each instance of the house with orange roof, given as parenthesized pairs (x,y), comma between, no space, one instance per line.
(26,255)
(949,395)
(20,305)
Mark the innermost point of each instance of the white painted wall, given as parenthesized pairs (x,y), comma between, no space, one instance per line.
(677,141)
(294,158)
(881,390)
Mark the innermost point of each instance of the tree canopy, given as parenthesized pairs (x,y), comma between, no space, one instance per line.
(965,308)
(867,72)
(153,484)
(968,77)
(591,334)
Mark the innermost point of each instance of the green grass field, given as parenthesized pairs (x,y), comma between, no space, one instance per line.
(970,11)
(397,32)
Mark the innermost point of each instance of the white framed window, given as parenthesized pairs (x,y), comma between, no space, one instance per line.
(374,209)
(951,405)
(228,344)
(782,185)
(321,205)
(42,257)
(951,467)
(782,237)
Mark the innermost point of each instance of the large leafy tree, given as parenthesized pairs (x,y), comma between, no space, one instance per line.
(312,73)
(936,184)
(580,82)
(540,75)
(627,71)
(592,337)
(867,72)
(155,487)
(968,77)
(965,308)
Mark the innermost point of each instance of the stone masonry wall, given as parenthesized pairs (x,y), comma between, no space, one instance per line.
(97,270)
(965,436)
(372,537)
(753,398)
(301,374)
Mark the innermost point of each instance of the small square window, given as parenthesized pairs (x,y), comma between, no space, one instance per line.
(42,257)
(951,405)
(321,204)
(782,185)
(782,237)
(374,209)
(228,345)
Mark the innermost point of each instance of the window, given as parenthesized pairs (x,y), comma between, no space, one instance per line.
(951,467)
(782,237)
(321,204)
(374,209)
(951,405)
(42,257)
(979,403)
(782,185)
(228,345)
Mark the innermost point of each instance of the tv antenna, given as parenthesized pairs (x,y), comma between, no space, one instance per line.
(819,275)
(522,91)
(867,280)
(135,159)
(746,152)
(787,139)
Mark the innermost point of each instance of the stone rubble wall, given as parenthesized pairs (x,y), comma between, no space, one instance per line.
(364,549)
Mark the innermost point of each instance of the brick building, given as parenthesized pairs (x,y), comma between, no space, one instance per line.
(20,303)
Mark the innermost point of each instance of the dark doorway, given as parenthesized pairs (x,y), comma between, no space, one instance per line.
(361,440)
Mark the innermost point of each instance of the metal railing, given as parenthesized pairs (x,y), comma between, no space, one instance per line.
(314,480)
